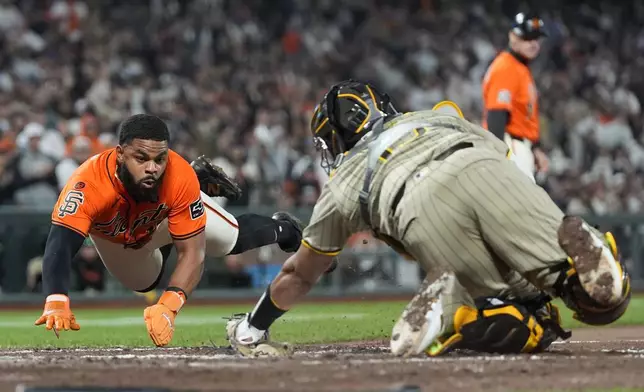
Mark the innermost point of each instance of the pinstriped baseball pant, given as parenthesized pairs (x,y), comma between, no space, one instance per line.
(475,213)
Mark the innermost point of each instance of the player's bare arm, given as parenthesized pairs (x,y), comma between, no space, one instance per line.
(159,318)
(298,275)
(296,278)
(190,257)
(541,160)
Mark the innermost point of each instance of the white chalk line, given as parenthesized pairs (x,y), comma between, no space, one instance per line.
(599,341)
(231,361)
(181,320)
(317,352)
(306,357)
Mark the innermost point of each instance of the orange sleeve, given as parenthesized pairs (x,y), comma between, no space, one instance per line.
(77,206)
(501,86)
(187,216)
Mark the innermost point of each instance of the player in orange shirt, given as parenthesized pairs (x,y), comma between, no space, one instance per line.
(510,97)
(136,201)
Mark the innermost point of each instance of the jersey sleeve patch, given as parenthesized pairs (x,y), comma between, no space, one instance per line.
(196,209)
(504,97)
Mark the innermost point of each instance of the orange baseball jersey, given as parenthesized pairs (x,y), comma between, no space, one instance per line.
(508,85)
(95,202)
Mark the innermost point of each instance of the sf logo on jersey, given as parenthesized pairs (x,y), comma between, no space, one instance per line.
(69,206)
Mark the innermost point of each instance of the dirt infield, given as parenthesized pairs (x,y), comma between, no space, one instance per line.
(597,358)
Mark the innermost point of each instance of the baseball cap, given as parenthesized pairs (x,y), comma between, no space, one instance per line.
(528,26)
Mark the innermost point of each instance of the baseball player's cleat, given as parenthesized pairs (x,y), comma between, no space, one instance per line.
(423,321)
(247,344)
(213,181)
(594,260)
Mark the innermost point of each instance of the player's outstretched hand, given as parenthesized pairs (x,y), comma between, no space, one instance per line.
(57,314)
(159,318)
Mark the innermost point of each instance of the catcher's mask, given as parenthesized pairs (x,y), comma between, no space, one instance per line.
(586,309)
(345,115)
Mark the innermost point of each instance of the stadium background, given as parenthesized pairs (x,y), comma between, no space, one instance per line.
(237,80)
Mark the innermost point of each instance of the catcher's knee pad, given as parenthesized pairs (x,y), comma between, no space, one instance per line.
(495,327)
(573,287)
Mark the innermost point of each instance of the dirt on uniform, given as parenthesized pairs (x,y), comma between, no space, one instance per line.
(593,358)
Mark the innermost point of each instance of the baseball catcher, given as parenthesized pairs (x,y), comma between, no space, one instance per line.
(442,191)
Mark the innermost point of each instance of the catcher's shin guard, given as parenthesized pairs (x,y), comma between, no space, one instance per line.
(495,327)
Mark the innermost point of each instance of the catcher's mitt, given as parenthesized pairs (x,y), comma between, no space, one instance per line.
(213,181)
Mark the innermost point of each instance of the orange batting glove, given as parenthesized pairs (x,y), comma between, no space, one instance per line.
(57,314)
(159,318)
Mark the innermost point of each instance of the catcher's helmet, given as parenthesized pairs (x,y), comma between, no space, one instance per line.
(528,26)
(347,112)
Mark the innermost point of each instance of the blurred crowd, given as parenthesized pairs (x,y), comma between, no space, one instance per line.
(237,80)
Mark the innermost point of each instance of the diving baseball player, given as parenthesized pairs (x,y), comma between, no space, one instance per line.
(442,191)
(138,200)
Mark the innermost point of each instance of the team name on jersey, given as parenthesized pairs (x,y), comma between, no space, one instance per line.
(119,224)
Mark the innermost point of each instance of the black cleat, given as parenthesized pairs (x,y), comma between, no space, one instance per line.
(213,181)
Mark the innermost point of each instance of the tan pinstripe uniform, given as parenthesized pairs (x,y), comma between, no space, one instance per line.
(472,212)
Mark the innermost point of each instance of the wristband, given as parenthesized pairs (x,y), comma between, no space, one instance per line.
(57,298)
(178,290)
(173,299)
